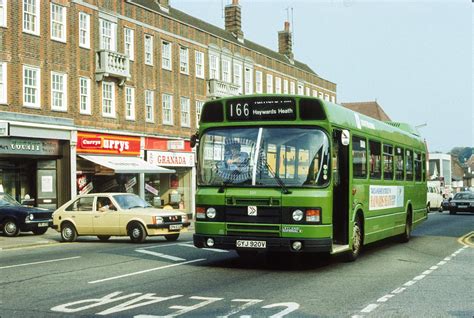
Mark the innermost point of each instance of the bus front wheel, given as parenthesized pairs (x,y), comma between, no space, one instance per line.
(356,245)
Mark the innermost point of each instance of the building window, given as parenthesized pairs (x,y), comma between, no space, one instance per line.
(58,22)
(326,97)
(185,112)
(248,81)
(167,109)
(238,76)
(315,93)
(129,103)
(128,40)
(148,49)
(277,85)
(149,106)
(258,82)
(213,67)
(199,64)
(85,95)
(321,95)
(166,55)
(285,86)
(31,87)
(226,71)
(300,89)
(108,39)
(333,99)
(3,13)
(269,84)
(84,30)
(31,12)
(292,88)
(307,91)
(58,91)
(199,105)
(184,60)
(3,83)
(108,99)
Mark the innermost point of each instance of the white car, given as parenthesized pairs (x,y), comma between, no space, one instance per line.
(116,214)
(434,199)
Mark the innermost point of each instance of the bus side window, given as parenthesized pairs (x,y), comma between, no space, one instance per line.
(418,167)
(399,163)
(375,162)
(409,166)
(387,162)
(359,158)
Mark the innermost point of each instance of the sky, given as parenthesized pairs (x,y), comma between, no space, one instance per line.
(415,58)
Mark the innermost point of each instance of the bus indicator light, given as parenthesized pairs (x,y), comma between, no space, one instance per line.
(313,215)
(200,212)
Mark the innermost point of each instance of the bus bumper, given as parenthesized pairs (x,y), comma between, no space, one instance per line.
(273,244)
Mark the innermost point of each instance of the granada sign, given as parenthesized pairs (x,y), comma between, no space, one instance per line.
(170,159)
(107,144)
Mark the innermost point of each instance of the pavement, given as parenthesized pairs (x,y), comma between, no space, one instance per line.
(28,239)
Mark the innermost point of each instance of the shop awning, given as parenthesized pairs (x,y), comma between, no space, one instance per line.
(126,164)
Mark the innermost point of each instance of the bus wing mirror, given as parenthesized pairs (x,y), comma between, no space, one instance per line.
(194,140)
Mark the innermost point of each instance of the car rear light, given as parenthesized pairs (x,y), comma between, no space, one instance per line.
(200,212)
(313,215)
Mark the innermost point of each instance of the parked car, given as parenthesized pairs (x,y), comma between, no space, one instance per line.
(462,202)
(116,214)
(16,218)
(445,205)
(434,199)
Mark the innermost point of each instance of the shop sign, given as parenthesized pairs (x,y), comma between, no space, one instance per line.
(162,144)
(18,146)
(107,144)
(171,159)
(175,144)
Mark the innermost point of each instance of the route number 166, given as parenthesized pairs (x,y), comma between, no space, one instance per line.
(239,110)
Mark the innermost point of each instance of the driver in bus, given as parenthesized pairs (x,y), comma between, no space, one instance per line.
(234,157)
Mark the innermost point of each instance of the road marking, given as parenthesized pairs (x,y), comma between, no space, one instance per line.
(145,271)
(41,262)
(161,245)
(467,240)
(173,258)
(369,308)
(206,248)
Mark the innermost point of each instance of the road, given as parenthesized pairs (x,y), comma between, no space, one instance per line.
(431,276)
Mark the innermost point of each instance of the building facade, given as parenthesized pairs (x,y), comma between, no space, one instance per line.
(130,72)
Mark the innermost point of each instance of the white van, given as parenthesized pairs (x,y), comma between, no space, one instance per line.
(434,198)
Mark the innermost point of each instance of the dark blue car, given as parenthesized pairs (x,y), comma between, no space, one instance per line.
(16,218)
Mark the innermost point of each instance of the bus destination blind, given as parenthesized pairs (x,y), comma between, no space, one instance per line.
(261,109)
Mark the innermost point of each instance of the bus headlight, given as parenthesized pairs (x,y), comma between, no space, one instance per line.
(297,215)
(313,215)
(211,213)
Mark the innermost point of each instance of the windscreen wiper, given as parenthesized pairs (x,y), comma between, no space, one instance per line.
(280,182)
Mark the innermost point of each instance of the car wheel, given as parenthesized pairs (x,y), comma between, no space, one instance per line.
(137,232)
(172,237)
(10,228)
(428,207)
(103,238)
(357,241)
(405,237)
(40,230)
(68,232)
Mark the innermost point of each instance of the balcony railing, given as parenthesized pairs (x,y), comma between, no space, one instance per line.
(112,64)
(216,88)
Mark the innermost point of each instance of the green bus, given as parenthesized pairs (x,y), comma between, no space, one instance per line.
(284,173)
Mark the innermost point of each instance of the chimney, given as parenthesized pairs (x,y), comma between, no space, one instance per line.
(285,42)
(233,20)
(164,5)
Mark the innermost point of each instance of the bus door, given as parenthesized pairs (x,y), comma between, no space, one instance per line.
(341,180)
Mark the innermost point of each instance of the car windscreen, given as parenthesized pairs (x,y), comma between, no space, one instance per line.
(127,201)
(463,196)
(7,200)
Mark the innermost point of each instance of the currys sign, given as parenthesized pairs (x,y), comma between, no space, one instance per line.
(107,144)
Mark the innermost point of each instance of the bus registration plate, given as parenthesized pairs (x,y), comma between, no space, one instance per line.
(251,244)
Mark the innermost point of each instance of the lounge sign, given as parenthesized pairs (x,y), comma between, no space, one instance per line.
(20,146)
(262,108)
(107,144)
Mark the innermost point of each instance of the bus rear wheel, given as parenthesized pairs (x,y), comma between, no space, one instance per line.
(357,242)
(405,237)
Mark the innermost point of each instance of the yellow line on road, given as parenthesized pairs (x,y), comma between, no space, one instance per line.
(467,239)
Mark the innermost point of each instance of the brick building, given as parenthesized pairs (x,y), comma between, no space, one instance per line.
(86,85)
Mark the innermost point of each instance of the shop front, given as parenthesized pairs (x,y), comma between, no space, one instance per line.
(177,189)
(35,171)
(111,163)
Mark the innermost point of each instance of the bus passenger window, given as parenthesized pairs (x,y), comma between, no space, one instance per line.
(409,165)
(359,158)
(398,163)
(388,162)
(375,160)
(418,166)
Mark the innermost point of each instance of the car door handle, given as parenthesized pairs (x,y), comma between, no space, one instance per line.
(97,216)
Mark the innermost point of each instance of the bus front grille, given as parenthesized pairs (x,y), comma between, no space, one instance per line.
(261,230)
(240,214)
